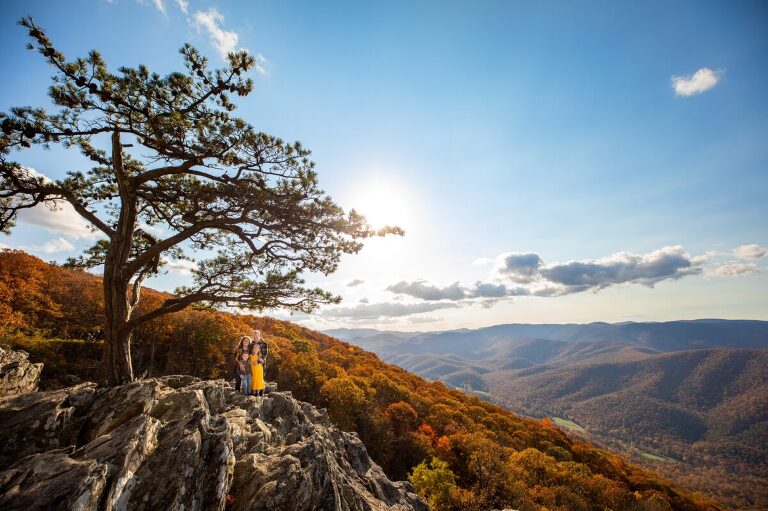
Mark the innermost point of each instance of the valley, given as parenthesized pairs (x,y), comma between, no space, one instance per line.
(687,398)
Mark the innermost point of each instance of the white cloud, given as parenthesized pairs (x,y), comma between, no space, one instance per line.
(183,5)
(700,81)
(63,219)
(733,270)
(365,311)
(180,266)
(752,251)
(51,246)
(3,246)
(222,40)
(159,5)
(59,217)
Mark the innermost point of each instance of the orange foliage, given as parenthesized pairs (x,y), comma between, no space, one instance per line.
(499,460)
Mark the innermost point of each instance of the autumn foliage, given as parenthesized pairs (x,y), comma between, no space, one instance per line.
(460,453)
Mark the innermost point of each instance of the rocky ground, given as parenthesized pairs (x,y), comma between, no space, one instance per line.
(17,374)
(181,443)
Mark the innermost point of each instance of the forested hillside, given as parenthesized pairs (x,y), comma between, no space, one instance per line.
(704,411)
(696,415)
(461,453)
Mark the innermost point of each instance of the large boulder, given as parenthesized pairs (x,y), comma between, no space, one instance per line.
(183,443)
(17,374)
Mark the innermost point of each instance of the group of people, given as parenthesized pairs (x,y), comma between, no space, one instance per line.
(250,359)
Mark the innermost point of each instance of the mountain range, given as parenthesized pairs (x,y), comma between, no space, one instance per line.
(689,398)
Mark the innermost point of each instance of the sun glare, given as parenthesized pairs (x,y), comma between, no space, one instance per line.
(383,204)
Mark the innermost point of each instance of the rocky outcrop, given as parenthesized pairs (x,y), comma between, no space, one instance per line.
(181,443)
(17,374)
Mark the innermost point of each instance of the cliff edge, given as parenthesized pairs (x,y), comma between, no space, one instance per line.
(178,442)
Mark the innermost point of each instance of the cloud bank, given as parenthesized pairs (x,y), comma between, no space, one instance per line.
(526,274)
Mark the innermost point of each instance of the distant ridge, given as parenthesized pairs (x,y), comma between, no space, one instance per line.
(688,397)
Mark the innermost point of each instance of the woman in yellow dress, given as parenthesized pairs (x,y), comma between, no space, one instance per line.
(257,372)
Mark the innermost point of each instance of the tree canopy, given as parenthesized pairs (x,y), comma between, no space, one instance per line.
(173,173)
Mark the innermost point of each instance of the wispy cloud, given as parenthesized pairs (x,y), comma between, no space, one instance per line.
(355,282)
(752,251)
(375,311)
(224,41)
(700,81)
(159,5)
(183,5)
(733,270)
(180,266)
(51,246)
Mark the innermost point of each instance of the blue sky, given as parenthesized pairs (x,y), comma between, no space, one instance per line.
(487,130)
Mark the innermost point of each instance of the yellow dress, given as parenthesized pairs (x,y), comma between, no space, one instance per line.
(257,374)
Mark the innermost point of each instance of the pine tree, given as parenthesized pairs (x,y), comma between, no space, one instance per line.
(168,156)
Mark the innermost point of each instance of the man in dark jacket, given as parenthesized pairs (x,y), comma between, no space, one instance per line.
(261,344)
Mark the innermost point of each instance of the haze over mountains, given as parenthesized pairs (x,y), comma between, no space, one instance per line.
(688,397)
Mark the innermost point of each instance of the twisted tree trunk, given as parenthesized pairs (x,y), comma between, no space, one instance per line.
(118,307)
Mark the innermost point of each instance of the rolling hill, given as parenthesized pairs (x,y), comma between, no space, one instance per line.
(689,398)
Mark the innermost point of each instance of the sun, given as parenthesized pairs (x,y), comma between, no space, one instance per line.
(384,203)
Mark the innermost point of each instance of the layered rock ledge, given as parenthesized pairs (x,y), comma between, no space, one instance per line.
(177,443)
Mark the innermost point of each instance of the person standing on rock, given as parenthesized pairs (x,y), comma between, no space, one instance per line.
(257,372)
(263,349)
(243,347)
(244,370)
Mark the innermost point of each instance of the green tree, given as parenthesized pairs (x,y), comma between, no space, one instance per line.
(345,401)
(434,482)
(207,178)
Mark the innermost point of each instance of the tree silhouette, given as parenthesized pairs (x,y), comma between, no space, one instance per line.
(168,157)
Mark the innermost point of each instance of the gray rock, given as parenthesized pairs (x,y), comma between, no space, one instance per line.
(182,443)
(17,374)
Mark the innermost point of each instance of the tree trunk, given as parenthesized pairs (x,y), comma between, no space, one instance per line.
(116,361)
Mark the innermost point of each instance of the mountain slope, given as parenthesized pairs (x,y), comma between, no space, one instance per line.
(708,409)
(697,415)
(493,458)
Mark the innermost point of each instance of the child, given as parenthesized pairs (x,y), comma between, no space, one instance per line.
(244,369)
